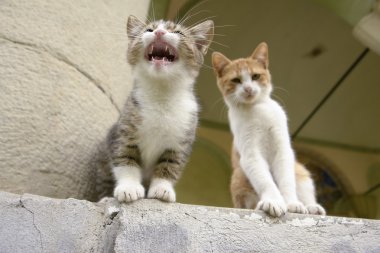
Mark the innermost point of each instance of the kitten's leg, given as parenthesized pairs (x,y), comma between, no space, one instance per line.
(125,160)
(284,175)
(258,173)
(128,183)
(242,192)
(306,191)
(166,173)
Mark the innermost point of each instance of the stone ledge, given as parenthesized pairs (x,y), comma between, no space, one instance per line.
(31,223)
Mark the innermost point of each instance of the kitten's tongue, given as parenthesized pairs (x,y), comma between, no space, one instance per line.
(159,58)
(160,53)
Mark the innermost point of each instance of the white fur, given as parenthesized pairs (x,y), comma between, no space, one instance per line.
(306,194)
(167,100)
(129,187)
(161,189)
(260,130)
(166,113)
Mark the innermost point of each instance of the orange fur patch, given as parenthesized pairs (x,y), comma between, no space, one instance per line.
(233,70)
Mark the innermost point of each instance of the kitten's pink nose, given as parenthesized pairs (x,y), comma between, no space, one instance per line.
(248,90)
(159,33)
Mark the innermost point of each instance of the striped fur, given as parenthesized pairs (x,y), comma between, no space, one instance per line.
(150,144)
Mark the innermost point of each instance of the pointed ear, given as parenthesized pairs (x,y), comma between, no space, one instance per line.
(203,34)
(261,54)
(219,62)
(134,27)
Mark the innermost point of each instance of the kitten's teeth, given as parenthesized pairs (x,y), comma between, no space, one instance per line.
(151,49)
(166,48)
(165,59)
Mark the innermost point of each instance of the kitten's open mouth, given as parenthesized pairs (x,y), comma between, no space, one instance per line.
(161,52)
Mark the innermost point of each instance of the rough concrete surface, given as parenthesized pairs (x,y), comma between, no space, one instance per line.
(32,223)
(63,79)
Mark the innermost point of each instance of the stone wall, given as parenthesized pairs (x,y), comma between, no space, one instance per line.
(32,223)
(63,80)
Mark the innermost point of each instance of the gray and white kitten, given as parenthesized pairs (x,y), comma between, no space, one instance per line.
(150,144)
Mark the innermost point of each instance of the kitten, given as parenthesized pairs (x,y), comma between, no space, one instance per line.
(265,174)
(150,144)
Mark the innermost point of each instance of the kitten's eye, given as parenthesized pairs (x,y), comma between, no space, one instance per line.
(149,30)
(236,80)
(179,32)
(255,76)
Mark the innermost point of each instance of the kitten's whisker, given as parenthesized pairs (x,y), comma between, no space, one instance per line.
(197,23)
(220,44)
(202,64)
(137,36)
(207,66)
(279,99)
(233,99)
(212,49)
(148,20)
(223,111)
(154,14)
(190,16)
(216,102)
(217,34)
(189,11)
(221,26)
(176,19)
(281,89)
(212,41)
(215,42)
(209,48)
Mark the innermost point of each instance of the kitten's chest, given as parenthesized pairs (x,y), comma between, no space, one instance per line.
(164,124)
(166,120)
(258,126)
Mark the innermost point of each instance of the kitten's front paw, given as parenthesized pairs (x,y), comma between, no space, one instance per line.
(275,208)
(316,209)
(162,190)
(297,207)
(128,192)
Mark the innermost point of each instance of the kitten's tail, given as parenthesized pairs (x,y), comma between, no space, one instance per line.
(101,166)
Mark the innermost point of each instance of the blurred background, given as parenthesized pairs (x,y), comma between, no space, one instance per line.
(324,76)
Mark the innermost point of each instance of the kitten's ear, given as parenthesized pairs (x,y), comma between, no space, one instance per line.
(219,62)
(261,54)
(134,27)
(203,34)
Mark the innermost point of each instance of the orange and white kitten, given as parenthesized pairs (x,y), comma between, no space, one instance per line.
(266,174)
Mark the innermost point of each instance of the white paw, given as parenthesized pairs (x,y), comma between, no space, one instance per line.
(129,191)
(275,208)
(316,209)
(297,207)
(162,190)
